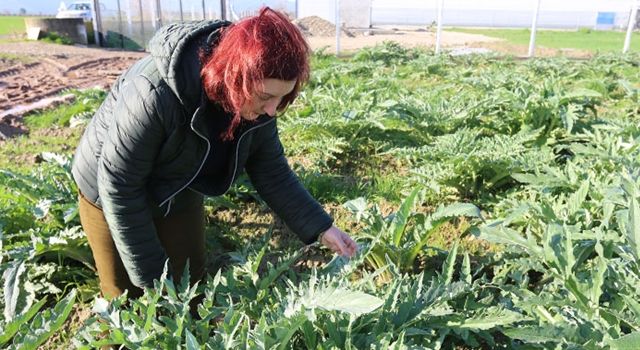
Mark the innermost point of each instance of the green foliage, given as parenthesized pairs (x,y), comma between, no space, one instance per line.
(548,148)
(56,38)
(87,101)
(400,237)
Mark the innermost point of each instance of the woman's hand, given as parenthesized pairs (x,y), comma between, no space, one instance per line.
(339,242)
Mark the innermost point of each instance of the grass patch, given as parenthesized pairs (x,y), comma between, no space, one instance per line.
(19,154)
(87,102)
(11,25)
(49,131)
(584,39)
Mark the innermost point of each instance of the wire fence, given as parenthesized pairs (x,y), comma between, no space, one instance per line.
(130,24)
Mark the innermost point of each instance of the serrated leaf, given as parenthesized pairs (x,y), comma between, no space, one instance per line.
(352,302)
(576,200)
(12,288)
(456,210)
(541,334)
(627,342)
(47,322)
(491,318)
(10,329)
(505,235)
(449,265)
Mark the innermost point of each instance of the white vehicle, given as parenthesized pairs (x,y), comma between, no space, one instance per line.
(77,9)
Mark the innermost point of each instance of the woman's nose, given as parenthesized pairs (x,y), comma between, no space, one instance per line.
(271,106)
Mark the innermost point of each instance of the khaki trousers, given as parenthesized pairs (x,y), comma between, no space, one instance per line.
(181,235)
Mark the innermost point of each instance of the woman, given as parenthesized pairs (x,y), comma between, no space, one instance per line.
(182,123)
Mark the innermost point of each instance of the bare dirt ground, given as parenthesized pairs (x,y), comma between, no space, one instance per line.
(407,36)
(31,72)
(42,70)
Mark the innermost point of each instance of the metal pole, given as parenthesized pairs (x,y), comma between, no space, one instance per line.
(154,18)
(223,10)
(534,26)
(204,13)
(95,13)
(439,30)
(337,27)
(159,13)
(129,20)
(120,26)
(144,40)
(632,24)
(181,12)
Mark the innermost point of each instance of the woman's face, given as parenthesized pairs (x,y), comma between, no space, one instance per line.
(266,98)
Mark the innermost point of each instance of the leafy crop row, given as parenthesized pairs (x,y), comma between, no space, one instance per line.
(428,158)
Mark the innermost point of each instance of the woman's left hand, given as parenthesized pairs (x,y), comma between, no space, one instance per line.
(339,242)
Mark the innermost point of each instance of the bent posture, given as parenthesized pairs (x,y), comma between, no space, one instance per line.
(183,123)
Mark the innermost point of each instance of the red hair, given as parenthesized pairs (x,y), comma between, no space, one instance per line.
(256,48)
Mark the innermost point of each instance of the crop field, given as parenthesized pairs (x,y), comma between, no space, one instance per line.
(11,25)
(495,203)
(583,39)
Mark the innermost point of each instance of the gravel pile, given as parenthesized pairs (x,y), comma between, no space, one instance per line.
(316,26)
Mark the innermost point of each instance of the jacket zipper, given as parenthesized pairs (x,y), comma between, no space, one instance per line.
(206,154)
(204,160)
(235,164)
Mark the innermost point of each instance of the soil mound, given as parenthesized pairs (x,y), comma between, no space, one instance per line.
(319,27)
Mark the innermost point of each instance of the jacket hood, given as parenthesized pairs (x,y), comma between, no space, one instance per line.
(174,49)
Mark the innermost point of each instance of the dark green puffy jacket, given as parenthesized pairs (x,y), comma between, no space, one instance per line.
(149,139)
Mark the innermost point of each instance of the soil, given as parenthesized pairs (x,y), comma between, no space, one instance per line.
(411,37)
(33,71)
(314,26)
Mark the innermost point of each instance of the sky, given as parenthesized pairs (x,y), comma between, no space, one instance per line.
(51,6)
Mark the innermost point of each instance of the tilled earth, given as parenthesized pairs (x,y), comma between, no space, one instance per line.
(31,72)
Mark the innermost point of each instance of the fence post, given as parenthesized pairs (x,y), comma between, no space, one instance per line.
(439,29)
(337,2)
(144,39)
(158,10)
(534,26)
(120,25)
(154,17)
(632,24)
(223,10)
(129,19)
(95,13)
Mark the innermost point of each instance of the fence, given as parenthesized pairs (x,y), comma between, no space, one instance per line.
(131,23)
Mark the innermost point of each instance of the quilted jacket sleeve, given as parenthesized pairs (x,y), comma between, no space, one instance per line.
(125,164)
(276,183)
